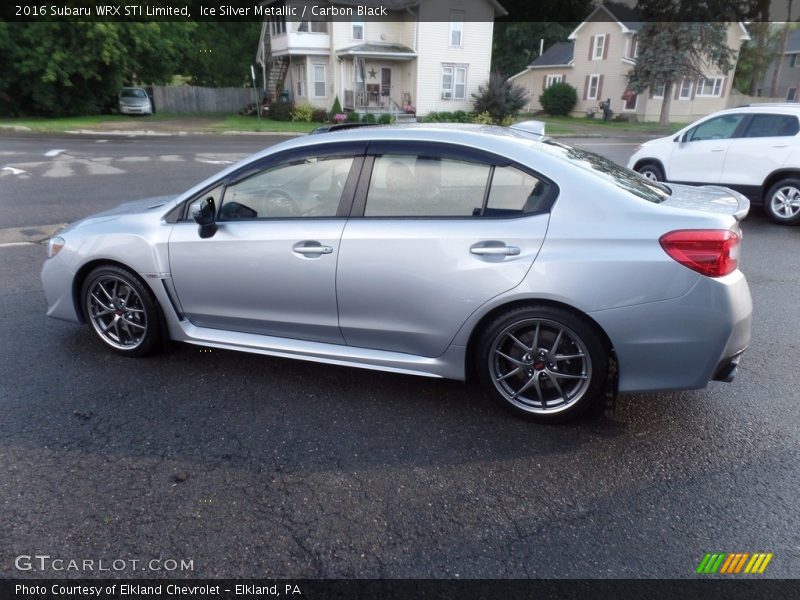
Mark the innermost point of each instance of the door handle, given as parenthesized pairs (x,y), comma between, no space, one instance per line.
(781,146)
(717,149)
(495,250)
(306,249)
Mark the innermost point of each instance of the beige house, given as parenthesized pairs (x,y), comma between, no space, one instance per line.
(596,60)
(407,64)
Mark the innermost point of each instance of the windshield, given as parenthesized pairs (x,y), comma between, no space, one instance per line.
(610,171)
(133,93)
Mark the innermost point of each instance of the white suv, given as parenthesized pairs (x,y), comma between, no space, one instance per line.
(754,150)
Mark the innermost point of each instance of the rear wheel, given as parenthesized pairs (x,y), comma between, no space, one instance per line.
(122,310)
(782,202)
(542,363)
(651,171)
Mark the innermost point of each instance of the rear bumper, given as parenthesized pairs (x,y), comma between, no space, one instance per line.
(685,342)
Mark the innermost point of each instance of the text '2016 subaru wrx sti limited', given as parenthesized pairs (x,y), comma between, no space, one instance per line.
(432,250)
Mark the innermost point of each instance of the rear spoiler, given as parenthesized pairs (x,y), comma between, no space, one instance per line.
(535,128)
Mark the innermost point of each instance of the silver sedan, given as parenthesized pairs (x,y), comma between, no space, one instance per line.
(551,274)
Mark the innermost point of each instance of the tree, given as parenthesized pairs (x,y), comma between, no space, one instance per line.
(755,57)
(670,51)
(222,53)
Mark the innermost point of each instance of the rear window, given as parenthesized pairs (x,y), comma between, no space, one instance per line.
(772,126)
(610,171)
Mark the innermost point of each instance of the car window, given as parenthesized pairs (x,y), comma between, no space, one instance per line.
(607,169)
(772,126)
(309,187)
(419,186)
(718,128)
(135,93)
(514,192)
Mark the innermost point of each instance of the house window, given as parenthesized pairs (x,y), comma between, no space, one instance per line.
(791,95)
(710,86)
(300,79)
(594,84)
(319,81)
(313,26)
(357,30)
(551,79)
(631,100)
(456,28)
(686,89)
(658,91)
(633,48)
(599,47)
(454,82)
(277,25)
(793,62)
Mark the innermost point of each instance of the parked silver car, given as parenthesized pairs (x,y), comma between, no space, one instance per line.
(134,101)
(432,250)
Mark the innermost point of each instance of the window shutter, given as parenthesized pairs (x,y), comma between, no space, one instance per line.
(605,46)
(722,87)
(651,92)
(544,82)
(678,85)
(694,89)
(591,47)
(563,78)
(586,88)
(600,87)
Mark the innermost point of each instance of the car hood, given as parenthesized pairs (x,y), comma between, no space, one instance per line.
(708,198)
(145,205)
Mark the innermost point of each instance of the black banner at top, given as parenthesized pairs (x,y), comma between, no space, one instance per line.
(393,10)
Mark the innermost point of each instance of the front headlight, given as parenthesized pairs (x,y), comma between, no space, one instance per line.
(54,246)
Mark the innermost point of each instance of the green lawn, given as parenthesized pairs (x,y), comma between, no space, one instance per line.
(596,126)
(204,122)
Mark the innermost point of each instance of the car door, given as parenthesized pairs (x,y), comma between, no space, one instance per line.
(766,143)
(699,155)
(270,267)
(435,233)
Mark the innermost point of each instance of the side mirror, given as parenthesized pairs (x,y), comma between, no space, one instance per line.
(205,217)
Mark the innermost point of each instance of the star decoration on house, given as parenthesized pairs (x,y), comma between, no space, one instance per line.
(372,73)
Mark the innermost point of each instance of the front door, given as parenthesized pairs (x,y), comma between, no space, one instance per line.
(270,268)
(386,85)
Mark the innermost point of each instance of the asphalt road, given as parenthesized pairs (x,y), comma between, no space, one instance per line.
(258,467)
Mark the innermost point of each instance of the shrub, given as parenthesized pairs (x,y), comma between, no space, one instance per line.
(500,98)
(484,118)
(458,116)
(319,115)
(337,107)
(386,119)
(352,117)
(368,118)
(281,111)
(559,99)
(302,112)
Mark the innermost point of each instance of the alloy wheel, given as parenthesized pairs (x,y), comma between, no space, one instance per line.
(117,312)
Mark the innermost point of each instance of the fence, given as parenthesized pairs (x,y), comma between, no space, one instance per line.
(739,99)
(195,99)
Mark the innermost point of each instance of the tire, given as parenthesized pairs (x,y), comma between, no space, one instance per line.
(122,311)
(782,202)
(520,369)
(651,171)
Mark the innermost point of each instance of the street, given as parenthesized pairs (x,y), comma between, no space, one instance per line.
(251,466)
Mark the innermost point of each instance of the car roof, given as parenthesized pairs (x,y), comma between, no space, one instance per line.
(773,108)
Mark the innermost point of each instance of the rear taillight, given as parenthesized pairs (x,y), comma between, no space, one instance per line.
(710,252)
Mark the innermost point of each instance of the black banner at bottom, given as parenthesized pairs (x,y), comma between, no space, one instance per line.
(406,589)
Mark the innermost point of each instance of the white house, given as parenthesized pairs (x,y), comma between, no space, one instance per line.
(406,62)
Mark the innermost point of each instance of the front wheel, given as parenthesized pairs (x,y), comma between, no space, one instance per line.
(542,363)
(782,202)
(651,171)
(122,310)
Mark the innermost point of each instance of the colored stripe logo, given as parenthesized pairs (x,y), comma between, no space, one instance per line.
(734,563)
